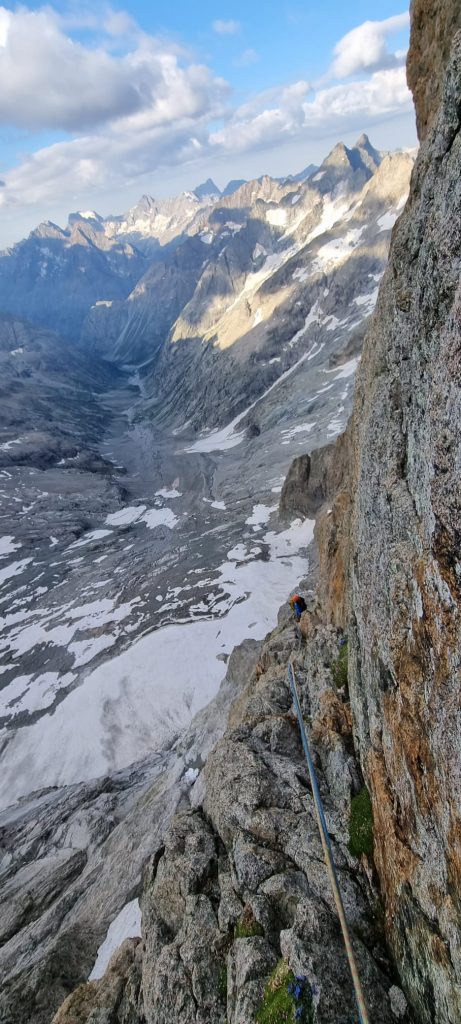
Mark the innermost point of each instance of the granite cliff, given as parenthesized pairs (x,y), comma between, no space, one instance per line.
(405,593)
(389,543)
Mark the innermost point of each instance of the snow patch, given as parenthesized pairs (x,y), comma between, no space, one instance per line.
(125,516)
(13,569)
(346,370)
(21,696)
(126,925)
(7,546)
(338,248)
(159,517)
(5,447)
(277,218)
(302,428)
(260,515)
(89,537)
(166,492)
(368,300)
(387,220)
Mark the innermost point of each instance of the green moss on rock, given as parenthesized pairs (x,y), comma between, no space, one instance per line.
(279,1005)
(247,925)
(361,825)
(339,667)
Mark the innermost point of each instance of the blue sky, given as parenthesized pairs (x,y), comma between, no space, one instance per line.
(100,103)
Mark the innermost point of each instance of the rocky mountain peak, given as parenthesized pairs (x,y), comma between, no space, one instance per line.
(338,157)
(47,229)
(207,189)
(145,204)
(233,185)
(371,157)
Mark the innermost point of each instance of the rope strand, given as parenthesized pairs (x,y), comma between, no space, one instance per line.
(328,854)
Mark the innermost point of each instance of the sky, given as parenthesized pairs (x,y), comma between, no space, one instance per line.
(100,104)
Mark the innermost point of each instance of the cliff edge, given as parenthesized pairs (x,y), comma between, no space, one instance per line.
(404,567)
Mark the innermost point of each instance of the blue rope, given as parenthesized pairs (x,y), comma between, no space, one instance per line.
(326,842)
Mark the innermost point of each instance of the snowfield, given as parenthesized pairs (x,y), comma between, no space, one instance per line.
(138,701)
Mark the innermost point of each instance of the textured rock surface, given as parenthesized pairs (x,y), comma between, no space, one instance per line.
(240,881)
(70,859)
(406,591)
(434,23)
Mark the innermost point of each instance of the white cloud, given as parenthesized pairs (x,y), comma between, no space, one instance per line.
(247,58)
(48,80)
(133,113)
(226,28)
(340,108)
(365,47)
(119,23)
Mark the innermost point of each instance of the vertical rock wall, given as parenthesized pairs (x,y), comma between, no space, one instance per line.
(405,571)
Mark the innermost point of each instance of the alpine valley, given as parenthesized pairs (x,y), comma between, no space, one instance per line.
(161,371)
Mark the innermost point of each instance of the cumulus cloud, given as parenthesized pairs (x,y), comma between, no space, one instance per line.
(226,28)
(340,108)
(365,47)
(134,105)
(50,81)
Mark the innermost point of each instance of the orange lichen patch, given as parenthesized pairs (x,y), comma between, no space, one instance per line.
(332,533)
(437,629)
(395,861)
(439,951)
(411,757)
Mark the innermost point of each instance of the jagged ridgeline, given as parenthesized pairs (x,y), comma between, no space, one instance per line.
(189,884)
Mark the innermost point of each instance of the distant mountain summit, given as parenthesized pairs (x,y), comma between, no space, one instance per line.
(195,249)
(233,185)
(207,188)
(303,175)
(371,157)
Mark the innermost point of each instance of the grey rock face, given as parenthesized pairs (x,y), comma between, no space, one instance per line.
(240,881)
(72,858)
(293,498)
(54,276)
(406,596)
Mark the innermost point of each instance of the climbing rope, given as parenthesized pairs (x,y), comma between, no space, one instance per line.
(328,854)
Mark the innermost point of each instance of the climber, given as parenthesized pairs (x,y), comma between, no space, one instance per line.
(298,605)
